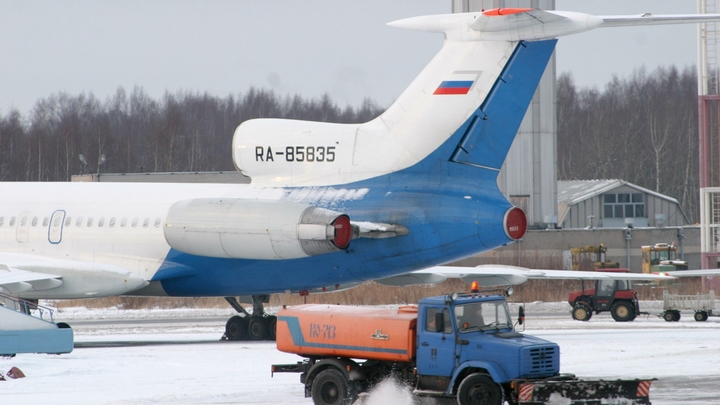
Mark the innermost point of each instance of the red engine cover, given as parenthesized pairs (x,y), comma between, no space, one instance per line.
(515,223)
(343,231)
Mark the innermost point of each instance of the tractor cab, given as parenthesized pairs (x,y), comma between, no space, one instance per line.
(661,257)
(616,296)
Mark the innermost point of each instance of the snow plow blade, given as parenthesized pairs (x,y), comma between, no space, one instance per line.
(579,392)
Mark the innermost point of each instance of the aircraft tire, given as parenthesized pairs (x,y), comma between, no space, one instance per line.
(236,328)
(581,312)
(623,311)
(272,327)
(257,328)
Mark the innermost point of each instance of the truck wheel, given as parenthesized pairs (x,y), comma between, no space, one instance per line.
(257,328)
(331,387)
(668,316)
(676,316)
(581,312)
(479,389)
(236,328)
(701,316)
(622,311)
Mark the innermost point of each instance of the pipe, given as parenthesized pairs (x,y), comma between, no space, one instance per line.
(628,238)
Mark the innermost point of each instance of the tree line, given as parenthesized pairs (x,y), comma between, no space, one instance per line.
(643,129)
(180,132)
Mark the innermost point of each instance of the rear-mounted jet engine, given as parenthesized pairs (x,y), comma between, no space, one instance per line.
(256,229)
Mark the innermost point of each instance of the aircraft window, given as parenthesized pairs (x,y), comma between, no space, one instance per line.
(157,222)
(46,221)
(146,222)
(101,222)
(34,221)
(57,220)
(68,221)
(134,222)
(123,222)
(2,221)
(23,221)
(112,222)
(90,222)
(78,222)
(12,221)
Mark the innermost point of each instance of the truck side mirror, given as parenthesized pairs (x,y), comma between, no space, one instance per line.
(521,315)
(439,322)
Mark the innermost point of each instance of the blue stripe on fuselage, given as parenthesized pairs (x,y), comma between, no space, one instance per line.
(452,209)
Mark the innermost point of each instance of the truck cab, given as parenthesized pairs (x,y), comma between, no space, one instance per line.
(460,335)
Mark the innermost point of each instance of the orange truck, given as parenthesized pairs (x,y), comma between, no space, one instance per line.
(459,347)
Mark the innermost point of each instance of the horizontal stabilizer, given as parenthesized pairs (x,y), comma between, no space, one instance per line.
(534,25)
(661,19)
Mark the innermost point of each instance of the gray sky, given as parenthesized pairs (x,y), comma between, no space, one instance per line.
(305,47)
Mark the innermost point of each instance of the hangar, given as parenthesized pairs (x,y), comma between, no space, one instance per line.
(615,203)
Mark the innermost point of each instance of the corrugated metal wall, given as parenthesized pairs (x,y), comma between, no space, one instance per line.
(579,213)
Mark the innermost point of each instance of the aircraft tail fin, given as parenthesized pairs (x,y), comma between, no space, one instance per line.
(465,106)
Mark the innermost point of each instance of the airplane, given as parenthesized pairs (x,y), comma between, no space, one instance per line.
(329,205)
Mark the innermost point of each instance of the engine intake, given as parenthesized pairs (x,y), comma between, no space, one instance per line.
(255,229)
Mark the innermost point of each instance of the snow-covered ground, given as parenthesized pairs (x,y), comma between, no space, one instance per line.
(189,365)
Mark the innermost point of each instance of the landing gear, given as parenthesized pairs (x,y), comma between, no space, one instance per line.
(258,326)
(236,328)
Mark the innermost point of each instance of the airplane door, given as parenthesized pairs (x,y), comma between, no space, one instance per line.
(56,227)
(21,232)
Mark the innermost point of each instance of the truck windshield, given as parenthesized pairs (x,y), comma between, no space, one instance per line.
(492,315)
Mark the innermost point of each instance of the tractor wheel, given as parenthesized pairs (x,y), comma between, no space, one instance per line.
(581,312)
(622,311)
(668,316)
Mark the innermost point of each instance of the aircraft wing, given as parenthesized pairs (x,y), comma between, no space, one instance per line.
(16,281)
(498,275)
(34,276)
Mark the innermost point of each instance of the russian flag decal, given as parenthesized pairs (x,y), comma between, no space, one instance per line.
(454,87)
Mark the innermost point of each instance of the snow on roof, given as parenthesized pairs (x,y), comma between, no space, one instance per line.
(573,191)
